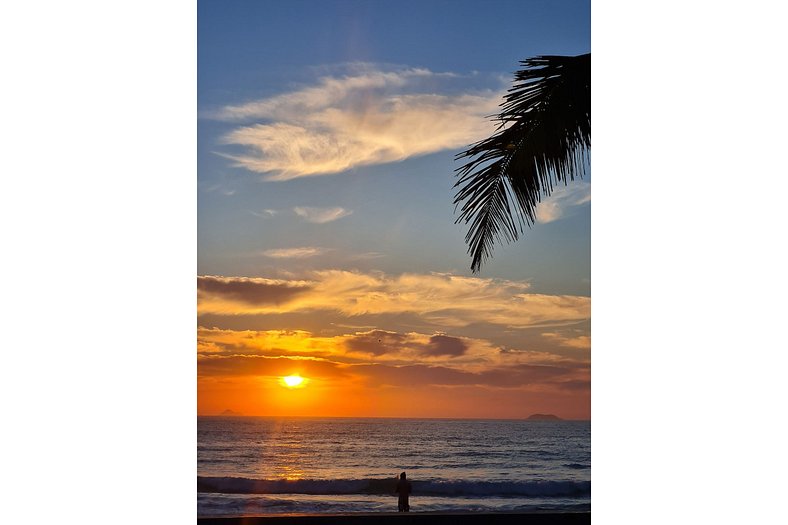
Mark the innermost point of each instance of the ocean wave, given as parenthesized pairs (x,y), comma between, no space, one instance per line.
(231,485)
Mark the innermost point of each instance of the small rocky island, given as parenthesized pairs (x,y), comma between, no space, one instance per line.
(544,417)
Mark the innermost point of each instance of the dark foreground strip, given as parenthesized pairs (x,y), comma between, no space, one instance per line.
(427,518)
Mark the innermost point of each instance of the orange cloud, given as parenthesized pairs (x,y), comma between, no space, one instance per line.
(377,374)
(442,299)
(380,372)
(578,341)
(474,356)
(379,345)
(258,365)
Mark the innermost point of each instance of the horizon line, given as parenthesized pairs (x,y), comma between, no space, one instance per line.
(395,417)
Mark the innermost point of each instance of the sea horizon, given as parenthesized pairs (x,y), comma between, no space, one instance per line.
(390,417)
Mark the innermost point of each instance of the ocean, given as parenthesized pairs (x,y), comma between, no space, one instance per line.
(253,466)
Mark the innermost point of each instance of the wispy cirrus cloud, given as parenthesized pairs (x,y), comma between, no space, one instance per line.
(582,341)
(330,91)
(294,253)
(217,187)
(563,198)
(321,215)
(368,255)
(265,214)
(444,300)
(367,117)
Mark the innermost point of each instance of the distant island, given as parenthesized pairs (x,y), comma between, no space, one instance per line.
(229,412)
(544,417)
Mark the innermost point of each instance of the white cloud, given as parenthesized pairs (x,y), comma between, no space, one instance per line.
(220,188)
(265,213)
(558,203)
(321,215)
(329,92)
(372,117)
(293,253)
(368,255)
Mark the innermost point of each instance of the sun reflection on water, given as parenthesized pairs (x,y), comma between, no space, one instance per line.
(290,461)
(290,473)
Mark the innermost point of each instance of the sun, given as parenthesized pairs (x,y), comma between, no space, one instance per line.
(294,381)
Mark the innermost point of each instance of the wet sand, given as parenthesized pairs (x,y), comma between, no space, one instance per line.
(421,518)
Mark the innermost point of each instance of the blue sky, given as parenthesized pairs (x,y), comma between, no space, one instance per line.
(402,212)
(326,141)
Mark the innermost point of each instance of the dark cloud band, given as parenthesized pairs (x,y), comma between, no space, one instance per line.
(251,291)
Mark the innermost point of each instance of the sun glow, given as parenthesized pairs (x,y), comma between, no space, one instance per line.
(293,381)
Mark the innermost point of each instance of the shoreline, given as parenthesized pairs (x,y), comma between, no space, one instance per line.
(442,518)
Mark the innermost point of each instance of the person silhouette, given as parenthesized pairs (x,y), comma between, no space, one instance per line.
(403,489)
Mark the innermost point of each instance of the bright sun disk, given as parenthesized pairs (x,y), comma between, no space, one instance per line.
(292,381)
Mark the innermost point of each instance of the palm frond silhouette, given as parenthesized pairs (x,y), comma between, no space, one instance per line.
(543,138)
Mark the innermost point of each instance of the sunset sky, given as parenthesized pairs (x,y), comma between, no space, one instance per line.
(326,239)
(688,270)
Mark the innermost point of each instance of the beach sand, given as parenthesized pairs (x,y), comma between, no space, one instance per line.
(423,518)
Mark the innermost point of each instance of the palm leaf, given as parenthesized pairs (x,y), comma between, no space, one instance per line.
(543,138)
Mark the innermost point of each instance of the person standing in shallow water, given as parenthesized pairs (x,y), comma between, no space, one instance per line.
(403,489)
